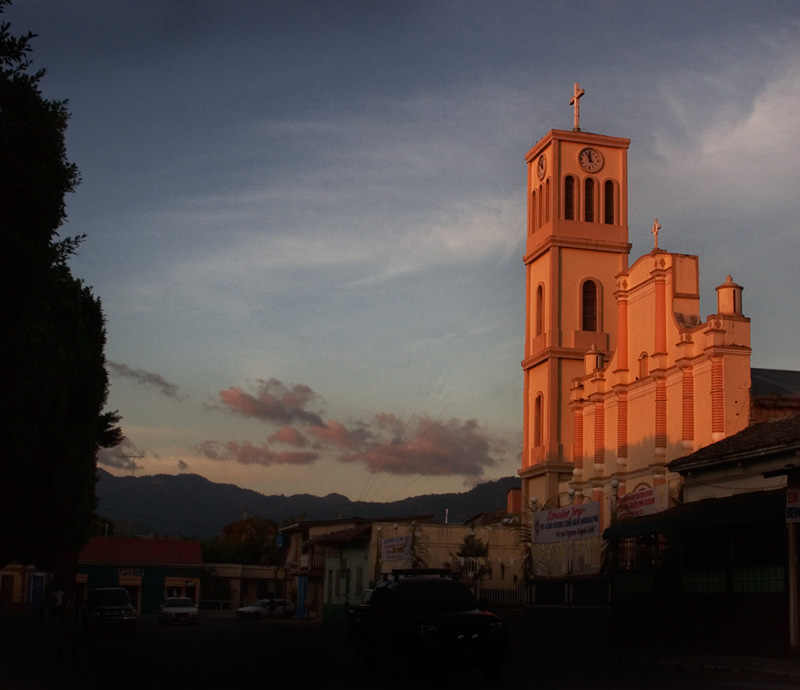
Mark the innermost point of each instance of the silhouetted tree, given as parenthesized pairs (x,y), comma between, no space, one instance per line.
(250,541)
(418,548)
(54,382)
(473,547)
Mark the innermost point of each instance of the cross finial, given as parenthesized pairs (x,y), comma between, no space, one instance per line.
(575,102)
(656,228)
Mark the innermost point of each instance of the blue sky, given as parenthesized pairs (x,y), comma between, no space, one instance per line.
(306,220)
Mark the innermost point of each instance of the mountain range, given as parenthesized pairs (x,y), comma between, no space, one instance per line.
(191,506)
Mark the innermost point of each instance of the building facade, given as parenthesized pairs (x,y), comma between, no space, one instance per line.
(621,373)
(334,562)
(150,569)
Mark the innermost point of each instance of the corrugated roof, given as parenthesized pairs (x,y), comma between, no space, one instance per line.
(756,506)
(774,436)
(125,551)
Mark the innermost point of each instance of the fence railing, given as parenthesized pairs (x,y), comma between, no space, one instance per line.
(495,580)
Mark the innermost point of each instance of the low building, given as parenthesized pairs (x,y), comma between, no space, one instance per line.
(308,558)
(22,588)
(335,562)
(227,586)
(150,569)
(727,554)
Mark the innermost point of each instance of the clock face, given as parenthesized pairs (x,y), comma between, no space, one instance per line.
(541,166)
(591,160)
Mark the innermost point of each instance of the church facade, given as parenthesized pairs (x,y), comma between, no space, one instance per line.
(621,373)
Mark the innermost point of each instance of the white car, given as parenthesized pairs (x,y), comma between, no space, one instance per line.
(267,608)
(179,610)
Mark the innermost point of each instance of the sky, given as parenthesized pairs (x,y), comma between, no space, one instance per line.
(305,220)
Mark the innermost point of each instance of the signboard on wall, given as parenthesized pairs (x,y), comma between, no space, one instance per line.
(644,502)
(566,524)
(396,548)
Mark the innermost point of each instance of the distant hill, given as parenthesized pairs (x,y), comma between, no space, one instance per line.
(191,506)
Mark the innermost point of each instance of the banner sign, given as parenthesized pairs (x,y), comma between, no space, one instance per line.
(566,524)
(644,502)
(395,548)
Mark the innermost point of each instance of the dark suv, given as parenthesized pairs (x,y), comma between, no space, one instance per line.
(422,617)
(109,609)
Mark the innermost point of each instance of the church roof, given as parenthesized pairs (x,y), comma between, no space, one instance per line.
(759,440)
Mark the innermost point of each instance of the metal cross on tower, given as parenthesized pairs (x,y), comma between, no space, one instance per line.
(575,102)
(656,228)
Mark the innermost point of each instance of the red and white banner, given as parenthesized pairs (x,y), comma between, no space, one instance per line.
(566,524)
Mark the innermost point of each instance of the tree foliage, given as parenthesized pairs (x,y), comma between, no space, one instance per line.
(473,547)
(250,541)
(54,381)
(418,548)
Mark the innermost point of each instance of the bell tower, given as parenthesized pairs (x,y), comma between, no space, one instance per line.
(577,243)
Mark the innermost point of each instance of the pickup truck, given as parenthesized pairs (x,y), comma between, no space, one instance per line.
(420,618)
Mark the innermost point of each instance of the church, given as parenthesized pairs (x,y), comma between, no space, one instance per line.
(660,468)
(621,373)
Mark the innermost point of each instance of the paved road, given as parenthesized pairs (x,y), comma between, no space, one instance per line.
(224,652)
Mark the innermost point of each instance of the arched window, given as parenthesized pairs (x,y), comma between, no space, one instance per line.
(569,198)
(644,366)
(539,328)
(589,306)
(538,411)
(533,211)
(609,202)
(541,209)
(588,200)
(547,201)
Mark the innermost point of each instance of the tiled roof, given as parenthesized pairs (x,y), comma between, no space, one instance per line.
(770,437)
(124,551)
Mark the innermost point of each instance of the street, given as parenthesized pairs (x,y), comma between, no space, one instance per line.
(226,652)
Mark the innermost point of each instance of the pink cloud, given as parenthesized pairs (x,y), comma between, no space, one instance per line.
(433,448)
(338,435)
(272,402)
(290,435)
(386,420)
(420,446)
(247,453)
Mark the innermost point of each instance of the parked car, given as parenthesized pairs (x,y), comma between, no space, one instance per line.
(267,608)
(109,609)
(179,610)
(423,617)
